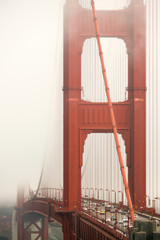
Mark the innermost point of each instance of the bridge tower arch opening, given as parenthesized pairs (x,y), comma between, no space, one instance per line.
(105,5)
(116,62)
(101,177)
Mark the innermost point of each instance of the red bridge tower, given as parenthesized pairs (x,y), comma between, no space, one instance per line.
(129,25)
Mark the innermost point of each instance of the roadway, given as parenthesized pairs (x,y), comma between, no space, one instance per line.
(114,216)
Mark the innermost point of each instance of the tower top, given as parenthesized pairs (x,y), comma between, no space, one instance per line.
(138,2)
(72,2)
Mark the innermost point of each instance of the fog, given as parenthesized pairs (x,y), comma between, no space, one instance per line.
(28,88)
(31,90)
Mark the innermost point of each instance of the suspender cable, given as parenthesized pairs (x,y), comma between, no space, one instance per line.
(112,115)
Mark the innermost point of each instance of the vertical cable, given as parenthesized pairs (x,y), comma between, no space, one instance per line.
(148,96)
(147,102)
(156,67)
(153,96)
(158,87)
(111,162)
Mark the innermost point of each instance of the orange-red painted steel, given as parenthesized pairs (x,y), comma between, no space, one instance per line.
(77,125)
(112,116)
(129,25)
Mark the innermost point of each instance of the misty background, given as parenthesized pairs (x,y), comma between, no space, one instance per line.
(31,81)
(30,90)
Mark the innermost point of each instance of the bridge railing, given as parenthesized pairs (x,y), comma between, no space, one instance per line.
(102,195)
(105,206)
(52,193)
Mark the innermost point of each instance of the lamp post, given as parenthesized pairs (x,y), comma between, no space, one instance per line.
(121,197)
(107,190)
(115,195)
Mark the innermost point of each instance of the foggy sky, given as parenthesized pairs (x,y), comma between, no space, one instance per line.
(29,79)
(28,45)
(28,38)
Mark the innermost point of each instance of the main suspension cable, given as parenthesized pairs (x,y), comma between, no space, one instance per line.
(112,115)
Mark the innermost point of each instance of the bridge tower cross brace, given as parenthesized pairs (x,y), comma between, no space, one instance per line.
(127,24)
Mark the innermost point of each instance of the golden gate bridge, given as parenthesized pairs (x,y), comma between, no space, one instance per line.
(92,203)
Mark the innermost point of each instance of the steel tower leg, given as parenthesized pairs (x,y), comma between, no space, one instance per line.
(20,202)
(19,226)
(45,228)
(67,227)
